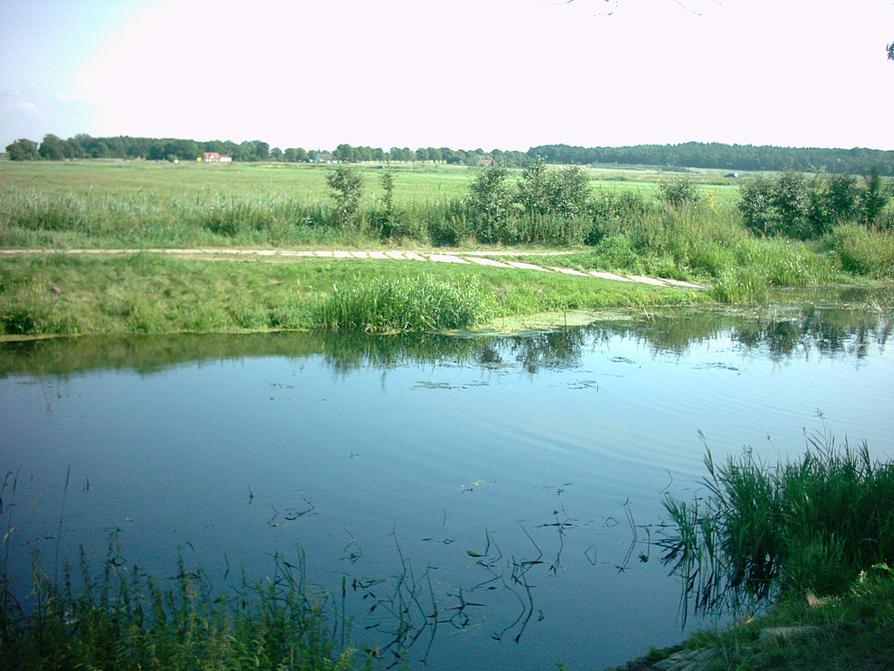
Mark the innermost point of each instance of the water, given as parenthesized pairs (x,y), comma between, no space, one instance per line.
(526,471)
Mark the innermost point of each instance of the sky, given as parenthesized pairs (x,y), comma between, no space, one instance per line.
(506,74)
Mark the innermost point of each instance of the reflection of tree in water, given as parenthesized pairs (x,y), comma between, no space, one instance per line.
(830,332)
(667,333)
(849,332)
(553,349)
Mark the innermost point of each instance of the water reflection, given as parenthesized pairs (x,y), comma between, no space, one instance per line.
(496,489)
(780,334)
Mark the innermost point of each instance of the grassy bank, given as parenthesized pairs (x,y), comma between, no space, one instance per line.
(148,293)
(814,537)
(853,630)
(639,224)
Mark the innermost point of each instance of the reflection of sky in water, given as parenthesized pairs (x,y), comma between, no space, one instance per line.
(536,450)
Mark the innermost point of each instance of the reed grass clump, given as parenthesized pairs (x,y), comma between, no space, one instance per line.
(762,531)
(125,619)
(863,251)
(405,304)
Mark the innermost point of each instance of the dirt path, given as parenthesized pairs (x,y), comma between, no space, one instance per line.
(475,257)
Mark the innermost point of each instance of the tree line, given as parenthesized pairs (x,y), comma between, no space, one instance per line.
(725,156)
(689,154)
(80,146)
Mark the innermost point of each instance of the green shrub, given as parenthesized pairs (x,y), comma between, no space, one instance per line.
(347,189)
(617,253)
(678,192)
(791,205)
(490,204)
(448,225)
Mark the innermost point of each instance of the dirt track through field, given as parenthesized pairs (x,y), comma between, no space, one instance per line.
(489,258)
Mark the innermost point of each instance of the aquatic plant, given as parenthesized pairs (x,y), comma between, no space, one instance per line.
(762,530)
(128,620)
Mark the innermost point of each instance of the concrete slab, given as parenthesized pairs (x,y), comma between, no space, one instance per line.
(446,258)
(322,253)
(377,255)
(481,261)
(360,255)
(526,266)
(567,271)
(642,279)
(300,253)
(413,256)
(682,284)
(394,254)
(603,275)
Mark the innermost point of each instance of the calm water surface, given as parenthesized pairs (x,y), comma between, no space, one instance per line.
(526,471)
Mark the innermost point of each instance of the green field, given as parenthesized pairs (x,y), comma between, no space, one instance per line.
(414,182)
(621,224)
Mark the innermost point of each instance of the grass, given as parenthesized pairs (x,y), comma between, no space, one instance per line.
(761,532)
(141,204)
(146,293)
(814,537)
(125,619)
(864,252)
(405,304)
(853,631)
(414,182)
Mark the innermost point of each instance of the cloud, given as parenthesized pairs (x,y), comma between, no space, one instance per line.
(25,106)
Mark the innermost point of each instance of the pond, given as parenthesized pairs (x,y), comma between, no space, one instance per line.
(512,484)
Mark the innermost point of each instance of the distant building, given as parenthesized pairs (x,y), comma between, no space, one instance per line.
(733,175)
(216,157)
(485,162)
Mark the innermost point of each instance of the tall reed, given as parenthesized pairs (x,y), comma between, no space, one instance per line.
(405,304)
(762,530)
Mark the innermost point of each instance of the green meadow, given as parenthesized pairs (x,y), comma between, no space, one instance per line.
(683,224)
(414,182)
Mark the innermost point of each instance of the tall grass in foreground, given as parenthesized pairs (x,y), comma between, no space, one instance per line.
(405,304)
(125,619)
(864,252)
(762,531)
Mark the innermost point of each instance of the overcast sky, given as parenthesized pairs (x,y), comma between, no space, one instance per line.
(456,73)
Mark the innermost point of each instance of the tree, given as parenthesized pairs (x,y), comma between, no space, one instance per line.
(344,153)
(388,187)
(842,195)
(678,192)
(22,149)
(295,155)
(890,49)
(347,187)
(53,148)
(276,154)
(533,188)
(872,199)
(490,202)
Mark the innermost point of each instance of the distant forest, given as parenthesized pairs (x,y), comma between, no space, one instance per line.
(686,155)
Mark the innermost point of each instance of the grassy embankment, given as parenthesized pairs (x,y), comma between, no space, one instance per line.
(815,537)
(623,227)
(152,294)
